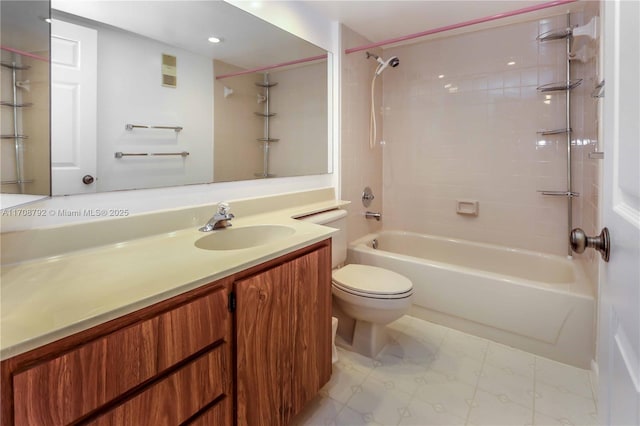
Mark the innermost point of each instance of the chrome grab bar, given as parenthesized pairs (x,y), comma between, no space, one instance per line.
(143,126)
(183,154)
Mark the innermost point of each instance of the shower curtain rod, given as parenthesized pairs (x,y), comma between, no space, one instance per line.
(270,67)
(460,25)
(20,52)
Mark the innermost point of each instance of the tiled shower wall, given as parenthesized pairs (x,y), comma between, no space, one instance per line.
(360,166)
(460,120)
(586,171)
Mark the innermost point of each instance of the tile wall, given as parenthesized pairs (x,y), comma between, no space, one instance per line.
(360,165)
(586,171)
(460,120)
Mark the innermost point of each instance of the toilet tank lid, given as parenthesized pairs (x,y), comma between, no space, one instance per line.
(371,279)
(327,216)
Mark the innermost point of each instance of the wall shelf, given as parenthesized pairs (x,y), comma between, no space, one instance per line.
(569,194)
(13,66)
(266,114)
(14,137)
(553,132)
(560,87)
(557,34)
(15,105)
(265,84)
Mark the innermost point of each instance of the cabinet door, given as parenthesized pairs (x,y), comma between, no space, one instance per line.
(263,343)
(283,326)
(311,327)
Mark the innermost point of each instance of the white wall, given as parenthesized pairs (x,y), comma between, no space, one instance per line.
(300,102)
(318,30)
(130,91)
(237,155)
(472,134)
(361,166)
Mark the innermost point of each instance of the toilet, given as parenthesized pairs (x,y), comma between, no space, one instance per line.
(365,298)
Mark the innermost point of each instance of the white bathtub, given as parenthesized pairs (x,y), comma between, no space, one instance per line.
(536,302)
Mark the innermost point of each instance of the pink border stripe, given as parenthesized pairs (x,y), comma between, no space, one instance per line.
(20,52)
(270,67)
(460,25)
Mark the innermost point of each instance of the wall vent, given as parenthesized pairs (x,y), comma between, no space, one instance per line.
(169,71)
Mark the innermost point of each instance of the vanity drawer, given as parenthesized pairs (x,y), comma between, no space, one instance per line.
(177,397)
(191,327)
(219,414)
(61,390)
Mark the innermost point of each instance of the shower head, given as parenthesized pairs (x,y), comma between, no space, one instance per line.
(382,64)
(392,62)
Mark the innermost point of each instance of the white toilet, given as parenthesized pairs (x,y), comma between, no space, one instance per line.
(365,298)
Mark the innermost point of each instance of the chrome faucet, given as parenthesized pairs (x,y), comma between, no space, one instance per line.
(220,220)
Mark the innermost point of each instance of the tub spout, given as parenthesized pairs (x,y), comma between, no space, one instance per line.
(373,215)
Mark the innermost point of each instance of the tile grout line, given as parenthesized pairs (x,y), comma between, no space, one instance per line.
(344,404)
(475,390)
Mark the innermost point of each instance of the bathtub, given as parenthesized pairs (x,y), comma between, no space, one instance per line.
(539,303)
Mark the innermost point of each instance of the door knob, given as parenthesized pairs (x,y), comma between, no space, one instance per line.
(87,179)
(580,241)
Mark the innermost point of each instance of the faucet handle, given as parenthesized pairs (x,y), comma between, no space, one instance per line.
(223,208)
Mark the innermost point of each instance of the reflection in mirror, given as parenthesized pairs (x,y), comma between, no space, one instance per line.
(153,103)
(24,89)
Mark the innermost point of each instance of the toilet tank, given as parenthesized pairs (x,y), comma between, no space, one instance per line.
(336,219)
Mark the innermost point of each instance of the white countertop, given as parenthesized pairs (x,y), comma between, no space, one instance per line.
(46,299)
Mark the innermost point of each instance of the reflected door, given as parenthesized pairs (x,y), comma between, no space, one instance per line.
(73,108)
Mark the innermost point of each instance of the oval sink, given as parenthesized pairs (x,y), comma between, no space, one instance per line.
(245,237)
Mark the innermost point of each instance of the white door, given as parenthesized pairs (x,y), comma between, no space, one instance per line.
(619,334)
(73,108)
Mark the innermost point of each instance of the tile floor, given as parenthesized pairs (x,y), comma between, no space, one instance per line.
(433,375)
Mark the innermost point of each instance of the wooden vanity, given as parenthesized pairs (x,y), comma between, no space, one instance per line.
(251,348)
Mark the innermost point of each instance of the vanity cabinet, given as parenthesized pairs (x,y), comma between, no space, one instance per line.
(161,365)
(283,338)
(192,358)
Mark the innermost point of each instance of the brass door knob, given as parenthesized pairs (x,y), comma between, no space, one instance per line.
(580,241)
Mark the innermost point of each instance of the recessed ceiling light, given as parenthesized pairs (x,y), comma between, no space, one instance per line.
(215,39)
(511,63)
(441,76)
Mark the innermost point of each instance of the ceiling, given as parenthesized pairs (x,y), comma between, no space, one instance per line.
(385,19)
(248,42)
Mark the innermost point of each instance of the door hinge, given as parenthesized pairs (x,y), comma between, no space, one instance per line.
(232,302)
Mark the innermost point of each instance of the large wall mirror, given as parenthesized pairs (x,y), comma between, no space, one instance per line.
(148,94)
(144,96)
(24,93)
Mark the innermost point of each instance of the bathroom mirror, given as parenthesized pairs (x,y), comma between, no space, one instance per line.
(24,92)
(141,98)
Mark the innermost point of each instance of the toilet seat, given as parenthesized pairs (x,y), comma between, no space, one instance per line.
(372,282)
